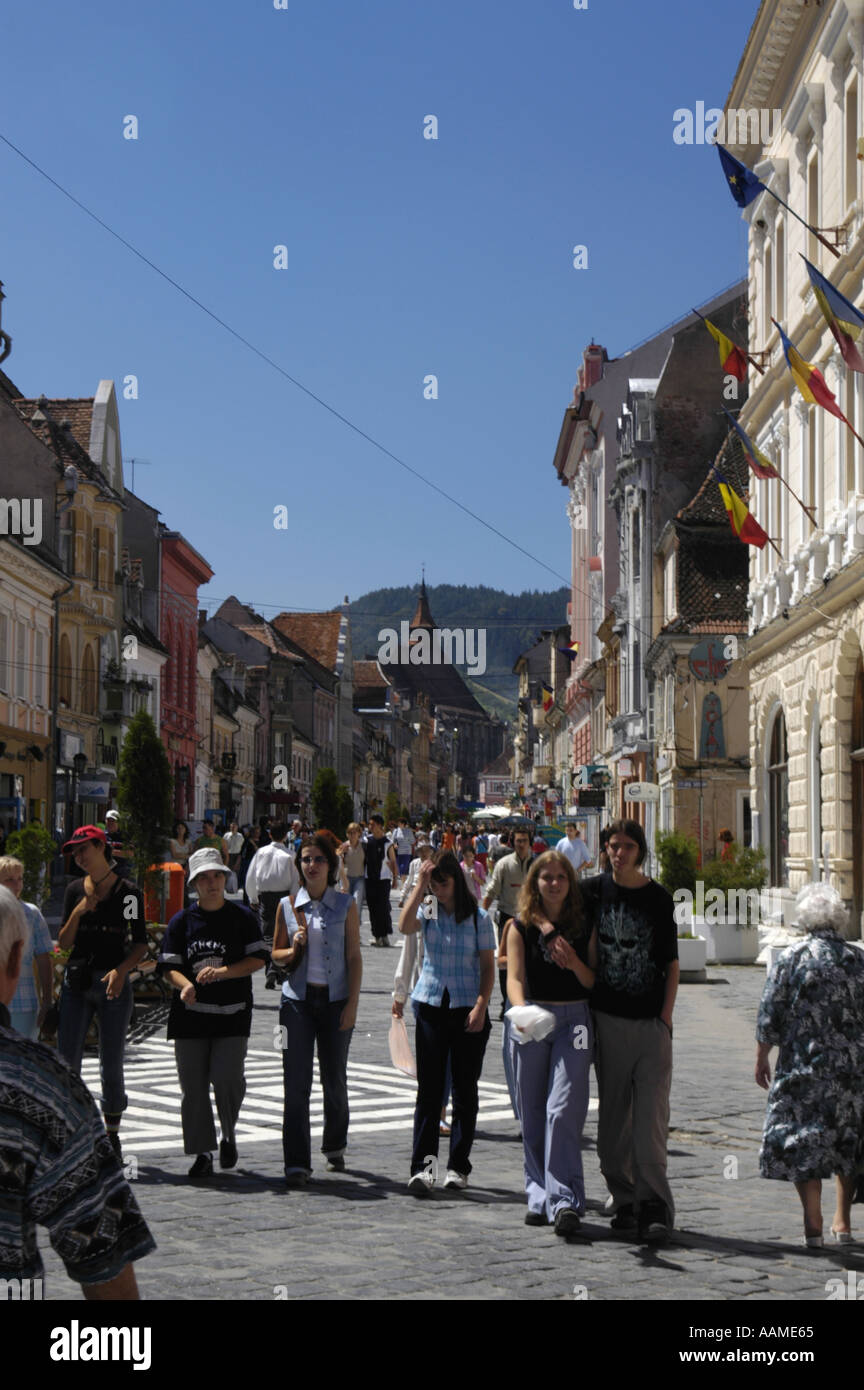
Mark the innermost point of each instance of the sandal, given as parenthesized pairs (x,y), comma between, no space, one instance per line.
(443,1127)
(842,1237)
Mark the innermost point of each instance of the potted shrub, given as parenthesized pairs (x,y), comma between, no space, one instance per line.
(678,856)
(728,909)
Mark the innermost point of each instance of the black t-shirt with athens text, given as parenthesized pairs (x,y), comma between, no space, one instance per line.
(194,939)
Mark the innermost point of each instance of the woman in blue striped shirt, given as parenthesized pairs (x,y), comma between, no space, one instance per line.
(452,995)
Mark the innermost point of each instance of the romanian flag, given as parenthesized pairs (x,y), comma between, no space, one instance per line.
(733,359)
(572,650)
(548,699)
(844,320)
(745,526)
(809,380)
(743,183)
(762,466)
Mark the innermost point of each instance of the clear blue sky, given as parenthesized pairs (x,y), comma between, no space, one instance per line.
(407,256)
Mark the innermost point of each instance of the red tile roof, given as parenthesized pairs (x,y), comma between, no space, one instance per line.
(79,413)
(368,674)
(316,633)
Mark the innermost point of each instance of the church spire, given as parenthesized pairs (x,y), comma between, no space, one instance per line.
(423,614)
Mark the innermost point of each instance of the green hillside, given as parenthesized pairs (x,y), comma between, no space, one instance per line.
(512,622)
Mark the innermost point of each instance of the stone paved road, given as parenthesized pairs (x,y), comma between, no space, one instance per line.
(359,1235)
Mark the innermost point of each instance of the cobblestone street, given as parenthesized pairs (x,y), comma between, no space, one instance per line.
(359,1235)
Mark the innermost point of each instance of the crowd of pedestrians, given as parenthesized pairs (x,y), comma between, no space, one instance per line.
(588,973)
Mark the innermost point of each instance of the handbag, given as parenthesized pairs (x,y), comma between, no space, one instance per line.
(78,976)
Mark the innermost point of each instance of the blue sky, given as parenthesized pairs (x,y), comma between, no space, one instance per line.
(406,257)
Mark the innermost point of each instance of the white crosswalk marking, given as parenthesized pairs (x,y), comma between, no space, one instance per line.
(380,1098)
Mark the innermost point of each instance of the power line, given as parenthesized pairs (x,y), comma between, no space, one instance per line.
(337,414)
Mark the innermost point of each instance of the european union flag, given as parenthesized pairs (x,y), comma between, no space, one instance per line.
(743,183)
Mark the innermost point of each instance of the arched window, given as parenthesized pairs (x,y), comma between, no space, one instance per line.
(815,779)
(778,803)
(169,669)
(64,674)
(88,682)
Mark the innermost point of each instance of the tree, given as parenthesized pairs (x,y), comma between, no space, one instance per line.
(36,849)
(144,788)
(392,809)
(345,811)
(325,799)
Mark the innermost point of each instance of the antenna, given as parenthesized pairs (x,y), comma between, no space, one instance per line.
(142,463)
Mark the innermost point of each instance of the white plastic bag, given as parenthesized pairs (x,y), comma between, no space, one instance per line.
(529,1023)
(400,1047)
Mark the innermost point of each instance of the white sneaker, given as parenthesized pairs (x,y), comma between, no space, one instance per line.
(421,1184)
(454,1179)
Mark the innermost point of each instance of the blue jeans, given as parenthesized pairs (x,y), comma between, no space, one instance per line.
(357,889)
(113,1015)
(307,1022)
(552,1080)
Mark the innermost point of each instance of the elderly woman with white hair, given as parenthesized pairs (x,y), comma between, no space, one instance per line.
(812,1008)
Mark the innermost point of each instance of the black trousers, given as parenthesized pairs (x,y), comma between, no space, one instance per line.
(378,903)
(441,1033)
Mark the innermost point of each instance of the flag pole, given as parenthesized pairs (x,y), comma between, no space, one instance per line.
(811,515)
(812,230)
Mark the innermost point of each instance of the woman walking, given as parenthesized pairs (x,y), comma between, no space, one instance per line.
(475,874)
(551,955)
(812,1008)
(209,951)
(452,995)
(353,862)
(318,941)
(105,933)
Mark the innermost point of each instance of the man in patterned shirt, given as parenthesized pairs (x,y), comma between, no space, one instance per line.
(57,1167)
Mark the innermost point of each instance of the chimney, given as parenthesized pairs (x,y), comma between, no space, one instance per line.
(591,370)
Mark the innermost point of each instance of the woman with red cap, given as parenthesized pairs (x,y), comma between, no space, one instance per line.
(105,932)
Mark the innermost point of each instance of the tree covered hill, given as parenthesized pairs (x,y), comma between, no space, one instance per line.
(511,622)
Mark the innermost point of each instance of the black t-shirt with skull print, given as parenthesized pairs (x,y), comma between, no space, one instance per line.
(636,940)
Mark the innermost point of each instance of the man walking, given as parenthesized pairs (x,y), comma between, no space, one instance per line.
(633,999)
(508,877)
(208,839)
(381,877)
(271,875)
(403,843)
(575,848)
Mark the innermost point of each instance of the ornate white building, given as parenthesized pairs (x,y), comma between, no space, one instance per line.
(807,605)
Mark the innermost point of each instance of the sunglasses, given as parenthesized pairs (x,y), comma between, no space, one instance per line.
(316,859)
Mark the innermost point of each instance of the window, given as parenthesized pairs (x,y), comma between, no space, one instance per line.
(767,291)
(21,683)
(813,209)
(851,143)
(88,682)
(778,803)
(64,674)
(40,681)
(669,605)
(4,652)
(649,714)
(815,799)
(779,273)
(644,429)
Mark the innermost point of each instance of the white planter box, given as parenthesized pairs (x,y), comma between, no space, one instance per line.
(692,955)
(728,942)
